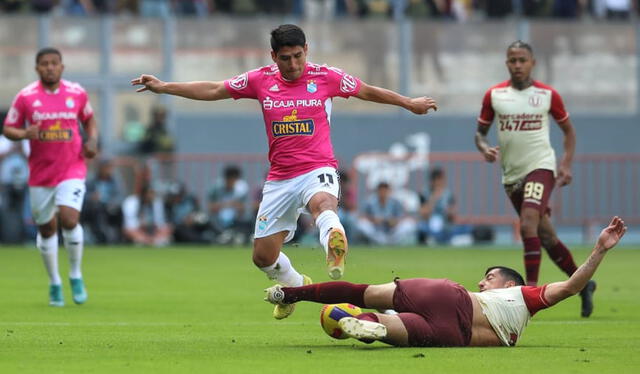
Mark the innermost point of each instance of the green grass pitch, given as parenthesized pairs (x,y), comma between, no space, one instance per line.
(200,310)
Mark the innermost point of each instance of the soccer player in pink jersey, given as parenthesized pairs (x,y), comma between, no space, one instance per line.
(441,313)
(521,108)
(47,112)
(296,101)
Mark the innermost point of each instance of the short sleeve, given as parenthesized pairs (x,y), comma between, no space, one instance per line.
(486,113)
(243,86)
(534,298)
(86,111)
(16,114)
(557,110)
(342,84)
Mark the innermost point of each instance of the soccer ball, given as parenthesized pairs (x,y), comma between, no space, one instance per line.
(332,313)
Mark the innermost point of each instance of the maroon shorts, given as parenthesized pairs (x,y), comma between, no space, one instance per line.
(435,312)
(534,191)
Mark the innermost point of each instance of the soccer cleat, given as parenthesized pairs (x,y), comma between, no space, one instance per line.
(587,298)
(275,295)
(336,253)
(78,290)
(55,295)
(361,329)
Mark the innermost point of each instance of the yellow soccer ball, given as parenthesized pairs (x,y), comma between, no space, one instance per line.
(332,313)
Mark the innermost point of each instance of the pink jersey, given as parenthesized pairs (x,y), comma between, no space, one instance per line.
(57,155)
(296,114)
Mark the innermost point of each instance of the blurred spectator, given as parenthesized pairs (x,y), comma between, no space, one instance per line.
(133,131)
(16,224)
(102,211)
(384,220)
(200,8)
(568,9)
(498,8)
(227,202)
(437,210)
(190,224)
(348,204)
(156,138)
(617,9)
(86,7)
(42,6)
(144,219)
(12,6)
(155,8)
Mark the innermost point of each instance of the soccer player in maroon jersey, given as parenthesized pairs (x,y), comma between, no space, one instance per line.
(441,313)
(520,107)
(296,101)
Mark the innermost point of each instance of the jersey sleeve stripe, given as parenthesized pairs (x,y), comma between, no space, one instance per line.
(483,121)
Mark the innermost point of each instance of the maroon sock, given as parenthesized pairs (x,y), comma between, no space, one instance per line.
(327,293)
(532,259)
(368,317)
(562,257)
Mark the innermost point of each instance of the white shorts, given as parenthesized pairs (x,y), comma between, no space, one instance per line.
(45,200)
(284,200)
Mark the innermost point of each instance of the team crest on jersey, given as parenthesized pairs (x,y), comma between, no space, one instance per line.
(69,102)
(312,87)
(240,82)
(56,133)
(348,84)
(535,101)
(291,125)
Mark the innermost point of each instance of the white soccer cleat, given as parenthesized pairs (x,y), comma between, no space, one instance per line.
(336,253)
(275,295)
(361,329)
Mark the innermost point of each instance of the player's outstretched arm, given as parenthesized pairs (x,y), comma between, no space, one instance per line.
(569,144)
(609,237)
(199,90)
(417,105)
(489,153)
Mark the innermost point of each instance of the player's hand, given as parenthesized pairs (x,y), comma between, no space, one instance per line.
(422,105)
(150,83)
(491,154)
(90,148)
(612,234)
(32,132)
(564,176)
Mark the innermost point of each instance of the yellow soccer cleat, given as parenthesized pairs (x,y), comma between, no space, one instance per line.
(274,294)
(336,253)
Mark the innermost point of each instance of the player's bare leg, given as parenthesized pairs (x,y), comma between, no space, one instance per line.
(323,207)
(47,243)
(529,221)
(73,238)
(268,257)
(562,257)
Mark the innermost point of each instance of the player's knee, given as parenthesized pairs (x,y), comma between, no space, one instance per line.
(47,231)
(547,239)
(68,223)
(262,259)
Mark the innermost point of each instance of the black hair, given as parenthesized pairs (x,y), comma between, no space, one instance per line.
(508,273)
(383,185)
(436,172)
(232,171)
(521,44)
(47,51)
(287,36)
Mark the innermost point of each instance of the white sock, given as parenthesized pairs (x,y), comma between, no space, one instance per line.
(326,221)
(282,272)
(74,242)
(49,250)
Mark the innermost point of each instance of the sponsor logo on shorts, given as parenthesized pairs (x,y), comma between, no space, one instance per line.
(292,126)
(262,223)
